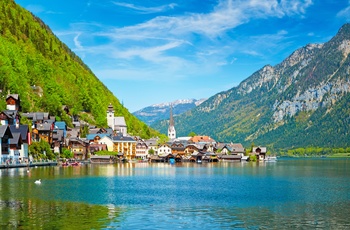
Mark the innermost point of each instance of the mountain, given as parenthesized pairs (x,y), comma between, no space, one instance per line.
(303,101)
(46,74)
(159,112)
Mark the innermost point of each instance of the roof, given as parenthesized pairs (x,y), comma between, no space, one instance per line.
(4,129)
(58,135)
(121,138)
(22,129)
(44,127)
(16,139)
(92,136)
(14,96)
(119,121)
(202,139)
(60,125)
(10,113)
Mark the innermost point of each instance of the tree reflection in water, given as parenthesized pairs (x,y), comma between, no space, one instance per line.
(38,214)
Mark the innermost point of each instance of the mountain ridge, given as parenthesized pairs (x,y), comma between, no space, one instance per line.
(161,111)
(298,95)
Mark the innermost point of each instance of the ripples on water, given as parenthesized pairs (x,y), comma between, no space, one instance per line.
(289,194)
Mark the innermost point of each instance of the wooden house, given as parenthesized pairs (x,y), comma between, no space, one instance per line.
(79,148)
(5,136)
(13,102)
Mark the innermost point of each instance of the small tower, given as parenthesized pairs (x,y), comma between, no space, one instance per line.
(110,116)
(171,129)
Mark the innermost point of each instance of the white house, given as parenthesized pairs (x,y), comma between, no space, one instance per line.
(107,141)
(164,149)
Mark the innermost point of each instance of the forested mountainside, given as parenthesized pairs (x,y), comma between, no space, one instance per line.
(158,112)
(303,101)
(46,74)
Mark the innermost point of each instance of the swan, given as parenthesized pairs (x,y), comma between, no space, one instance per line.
(38,181)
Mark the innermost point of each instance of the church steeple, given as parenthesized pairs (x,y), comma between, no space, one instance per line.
(171,129)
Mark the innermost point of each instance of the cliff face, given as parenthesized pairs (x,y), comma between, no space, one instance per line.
(299,102)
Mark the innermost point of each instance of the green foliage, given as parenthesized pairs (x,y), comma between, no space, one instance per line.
(106,153)
(192,134)
(66,153)
(41,150)
(151,151)
(31,55)
(253,158)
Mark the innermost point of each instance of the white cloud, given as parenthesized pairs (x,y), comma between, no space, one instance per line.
(345,13)
(195,42)
(146,10)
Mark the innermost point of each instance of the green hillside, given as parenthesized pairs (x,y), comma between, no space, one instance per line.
(302,102)
(31,55)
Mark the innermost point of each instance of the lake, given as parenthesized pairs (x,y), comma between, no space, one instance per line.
(287,194)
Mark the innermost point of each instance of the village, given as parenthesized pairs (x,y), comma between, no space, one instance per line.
(15,139)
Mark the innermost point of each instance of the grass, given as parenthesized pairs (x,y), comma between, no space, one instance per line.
(339,155)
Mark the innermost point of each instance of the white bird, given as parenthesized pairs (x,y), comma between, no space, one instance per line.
(38,181)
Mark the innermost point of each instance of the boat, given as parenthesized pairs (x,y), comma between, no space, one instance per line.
(244,158)
(271,158)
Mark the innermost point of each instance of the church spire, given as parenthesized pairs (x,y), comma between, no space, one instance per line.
(171,122)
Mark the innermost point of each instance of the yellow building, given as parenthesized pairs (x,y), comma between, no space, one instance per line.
(125,145)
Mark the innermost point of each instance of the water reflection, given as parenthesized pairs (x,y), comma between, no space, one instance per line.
(289,193)
(39,214)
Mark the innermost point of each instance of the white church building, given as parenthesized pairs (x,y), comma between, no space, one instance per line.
(118,124)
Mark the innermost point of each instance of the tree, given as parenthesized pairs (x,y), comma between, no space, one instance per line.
(151,151)
(66,153)
(192,134)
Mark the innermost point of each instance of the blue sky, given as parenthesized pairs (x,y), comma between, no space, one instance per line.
(154,51)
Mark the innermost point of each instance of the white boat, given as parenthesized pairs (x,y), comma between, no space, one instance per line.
(244,158)
(271,158)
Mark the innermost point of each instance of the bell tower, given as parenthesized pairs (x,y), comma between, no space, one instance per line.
(110,116)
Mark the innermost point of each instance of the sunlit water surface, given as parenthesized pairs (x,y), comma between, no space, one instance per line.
(288,194)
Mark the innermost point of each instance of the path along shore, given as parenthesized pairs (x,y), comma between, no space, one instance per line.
(31,164)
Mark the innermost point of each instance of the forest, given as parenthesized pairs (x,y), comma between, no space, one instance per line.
(47,75)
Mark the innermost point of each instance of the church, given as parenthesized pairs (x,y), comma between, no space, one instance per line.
(171,128)
(117,124)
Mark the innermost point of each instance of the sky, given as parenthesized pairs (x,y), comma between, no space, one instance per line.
(154,51)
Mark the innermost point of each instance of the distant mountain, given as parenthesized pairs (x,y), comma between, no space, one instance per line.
(46,74)
(303,101)
(157,112)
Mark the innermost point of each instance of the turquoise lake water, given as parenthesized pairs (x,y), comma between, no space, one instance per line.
(287,194)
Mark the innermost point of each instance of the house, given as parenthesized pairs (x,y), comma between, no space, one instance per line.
(125,145)
(15,147)
(118,124)
(260,152)
(13,102)
(106,140)
(5,136)
(164,149)
(95,147)
(23,144)
(79,148)
(43,131)
(178,148)
(141,150)
(9,117)
(152,145)
(191,148)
